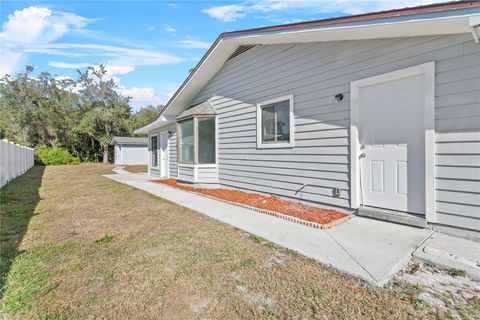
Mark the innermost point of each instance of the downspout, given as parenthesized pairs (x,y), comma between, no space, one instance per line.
(474,23)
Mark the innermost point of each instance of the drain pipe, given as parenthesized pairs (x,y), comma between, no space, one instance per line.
(474,23)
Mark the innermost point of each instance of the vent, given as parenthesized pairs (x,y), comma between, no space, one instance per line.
(240,50)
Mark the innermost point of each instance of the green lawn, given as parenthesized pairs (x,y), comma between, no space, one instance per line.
(75,245)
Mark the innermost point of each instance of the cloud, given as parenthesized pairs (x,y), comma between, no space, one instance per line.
(142,96)
(33,26)
(173,5)
(64,65)
(116,69)
(151,28)
(195,44)
(226,13)
(117,60)
(230,13)
(133,55)
(61,78)
(169,29)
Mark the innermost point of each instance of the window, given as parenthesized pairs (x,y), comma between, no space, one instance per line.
(154,150)
(206,140)
(275,123)
(196,140)
(186,145)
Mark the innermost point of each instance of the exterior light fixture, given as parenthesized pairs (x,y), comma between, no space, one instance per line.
(339,97)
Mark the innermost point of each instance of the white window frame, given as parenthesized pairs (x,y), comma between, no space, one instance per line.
(195,143)
(276,145)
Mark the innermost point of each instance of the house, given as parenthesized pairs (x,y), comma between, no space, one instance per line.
(130,150)
(376,113)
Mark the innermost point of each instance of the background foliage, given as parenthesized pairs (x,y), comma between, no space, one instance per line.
(81,116)
(46,156)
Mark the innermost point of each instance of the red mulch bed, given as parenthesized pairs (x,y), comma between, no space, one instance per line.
(291,208)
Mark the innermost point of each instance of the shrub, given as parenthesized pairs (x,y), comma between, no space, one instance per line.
(45,156)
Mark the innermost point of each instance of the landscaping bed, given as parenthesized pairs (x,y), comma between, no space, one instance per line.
(290,208)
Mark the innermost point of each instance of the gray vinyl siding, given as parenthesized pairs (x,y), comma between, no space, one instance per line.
(172,154)
(186,173)
(458,176)
(314,73)
(207,175)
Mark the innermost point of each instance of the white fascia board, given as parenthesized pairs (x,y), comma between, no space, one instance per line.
(474,23)
(162,121)
(410,28)
(210,66)
(149,127)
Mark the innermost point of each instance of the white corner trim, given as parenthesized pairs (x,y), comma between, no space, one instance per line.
(290,144)
(428,70)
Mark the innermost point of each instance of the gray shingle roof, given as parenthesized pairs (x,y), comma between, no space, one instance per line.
(203,108)
(129,140)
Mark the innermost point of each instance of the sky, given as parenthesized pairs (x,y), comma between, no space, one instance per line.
(147,47)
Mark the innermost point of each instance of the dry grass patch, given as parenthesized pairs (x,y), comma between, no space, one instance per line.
(95,248)
(137,168)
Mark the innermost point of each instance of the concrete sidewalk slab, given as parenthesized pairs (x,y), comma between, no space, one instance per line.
(381,248)
(368,249)
(451,253)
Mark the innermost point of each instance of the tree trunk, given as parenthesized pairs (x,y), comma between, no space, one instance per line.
(105,154)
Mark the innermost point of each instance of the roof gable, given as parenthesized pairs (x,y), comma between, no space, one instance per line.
(129,140)
(444,18)
(202,108)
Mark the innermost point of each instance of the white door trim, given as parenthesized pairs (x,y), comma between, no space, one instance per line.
(166,164)
(428,70)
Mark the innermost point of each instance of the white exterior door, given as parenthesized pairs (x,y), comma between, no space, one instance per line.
(391,133)
(163,154)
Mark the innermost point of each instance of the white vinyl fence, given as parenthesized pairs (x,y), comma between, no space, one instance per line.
(15,160)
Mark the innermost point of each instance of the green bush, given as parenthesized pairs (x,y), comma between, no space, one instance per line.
(45,156)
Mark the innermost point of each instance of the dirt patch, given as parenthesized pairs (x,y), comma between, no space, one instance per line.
(443,291)
(290,208)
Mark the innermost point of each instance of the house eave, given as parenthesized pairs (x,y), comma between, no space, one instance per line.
(453,20)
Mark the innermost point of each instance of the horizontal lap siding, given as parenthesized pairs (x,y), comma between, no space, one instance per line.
(172,155)
(185,173)
(457,148)
(458,177)
(155,172)
(314,73)
(207,175)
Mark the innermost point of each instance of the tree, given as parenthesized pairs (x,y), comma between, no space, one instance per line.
(35,110)
(144,116)
(81,116)
(105,111)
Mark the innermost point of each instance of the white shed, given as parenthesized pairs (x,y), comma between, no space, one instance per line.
(130,150)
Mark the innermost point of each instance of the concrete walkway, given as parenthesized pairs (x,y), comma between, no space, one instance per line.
(369,249)
(451,253)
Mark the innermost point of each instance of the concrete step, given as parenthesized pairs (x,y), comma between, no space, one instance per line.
(399,217)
